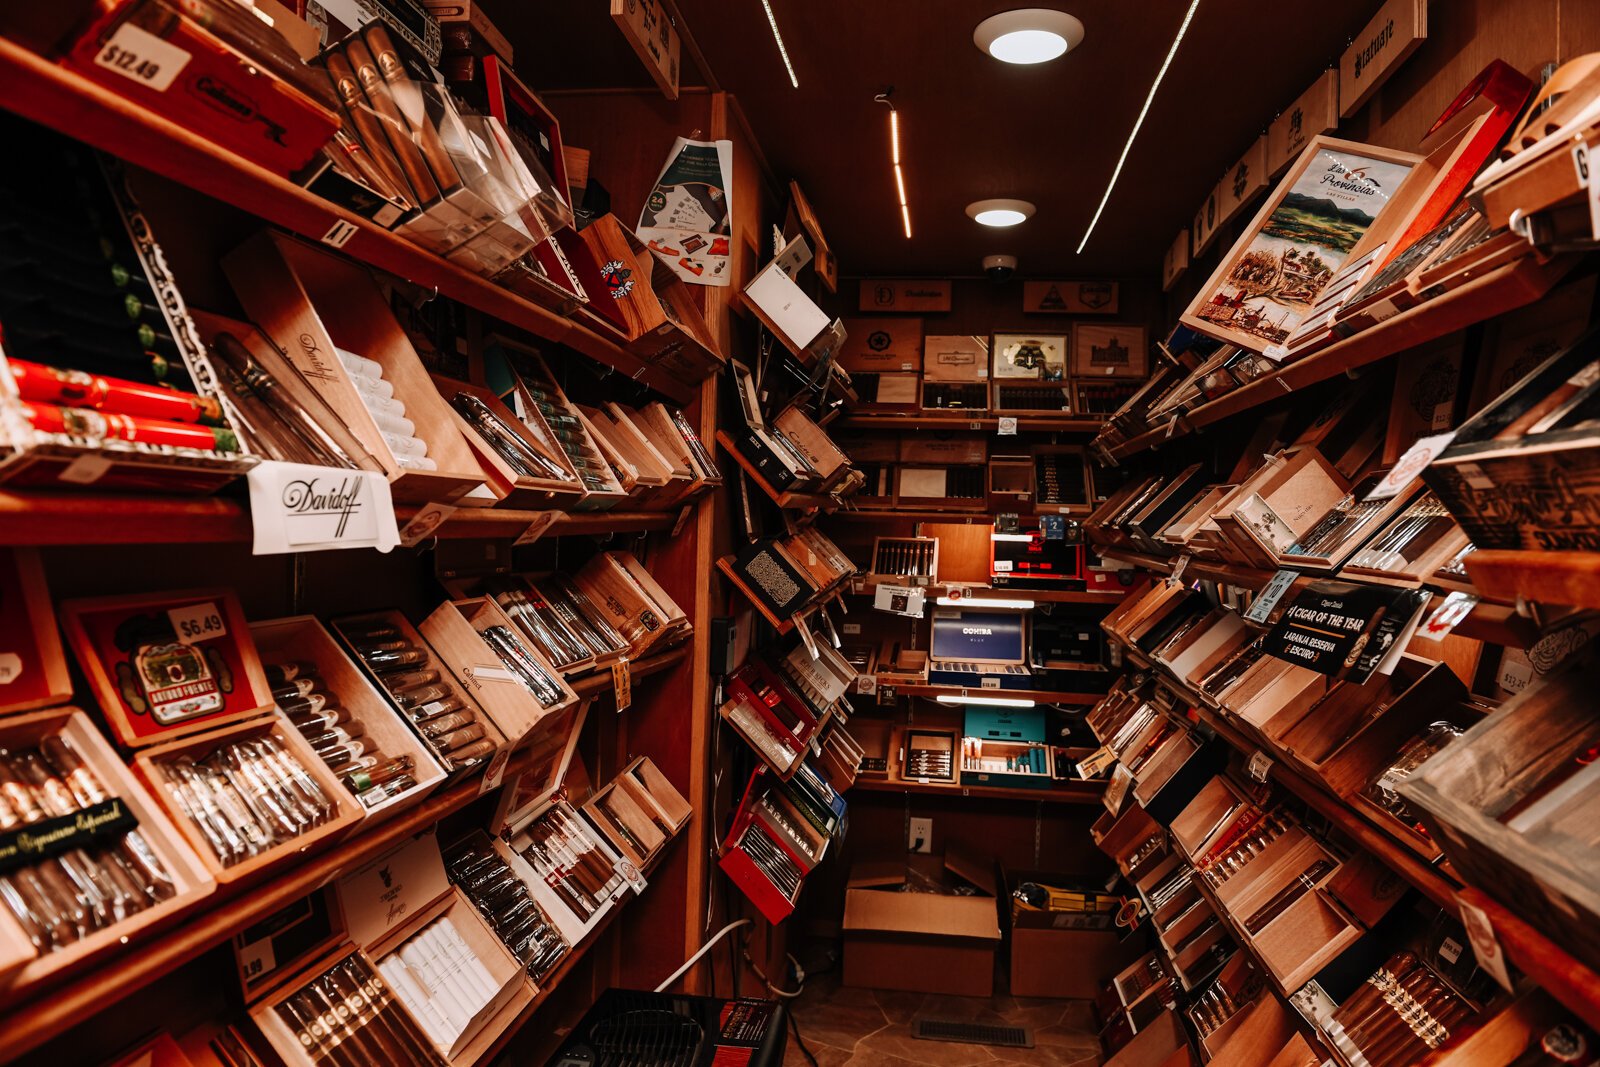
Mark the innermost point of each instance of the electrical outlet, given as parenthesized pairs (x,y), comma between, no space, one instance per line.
(920,839)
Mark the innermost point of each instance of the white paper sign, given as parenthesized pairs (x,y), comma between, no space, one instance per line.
(141,56)
(295,507)
(1260,764)
(899,600)
(1412,464)
(1007,426)
(198,622)
(10,667)
(424,523)
(536,529)
(1271,593)
(1485,945)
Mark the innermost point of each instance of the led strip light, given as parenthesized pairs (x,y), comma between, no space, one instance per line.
(1148,100)
(772,20)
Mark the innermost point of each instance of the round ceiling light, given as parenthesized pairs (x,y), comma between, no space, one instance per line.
(999,212)
(1028,35)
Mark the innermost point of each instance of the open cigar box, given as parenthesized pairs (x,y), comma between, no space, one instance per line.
(632,602)
(1276,506)
(770,848)
(559,621)
(778,703)
(303,641)
(813,442)
(1144,524)
(638,811)
(640,467)
(507,677)
(420,685)
(1270,696)
(295,291)
(119,807)
(1136,843)
(1204,647)
(543,475)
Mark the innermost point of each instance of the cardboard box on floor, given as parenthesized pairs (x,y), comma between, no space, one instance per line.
(1052,958)
(896,937)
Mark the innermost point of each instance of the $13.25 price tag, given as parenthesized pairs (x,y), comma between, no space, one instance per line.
(198,622)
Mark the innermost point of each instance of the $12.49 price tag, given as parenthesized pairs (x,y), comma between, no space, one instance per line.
(198,622)
(141,56)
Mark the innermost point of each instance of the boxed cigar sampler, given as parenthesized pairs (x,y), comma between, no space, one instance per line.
(776,459)
(71,781)
(1006,747)
(779,702)
(979,649)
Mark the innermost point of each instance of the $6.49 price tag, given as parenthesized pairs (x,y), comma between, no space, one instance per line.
(198,622)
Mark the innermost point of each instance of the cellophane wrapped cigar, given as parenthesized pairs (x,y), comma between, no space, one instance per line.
(439,979)
(504,900)
(347,1016)
(70,895)
(338,739)
(246,796)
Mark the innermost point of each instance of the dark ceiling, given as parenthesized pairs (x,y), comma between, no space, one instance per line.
(973,127)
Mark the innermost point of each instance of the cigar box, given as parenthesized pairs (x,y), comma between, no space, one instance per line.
(662,321)
(1495,475)
(33,667)
(387,902)
(1005,747)
(1107,520)
(779,704)
(512,488)
(295,291)
(774,458)
(944,449)
(1060,479)
(825,561)
(483,38)
(166,665)
(1160,1042)
(1267,701)
(1102,399)
(769,575)
(1331,915)
(1010,483)
(1142,989)
(839,763)
(200,71)
(126,795)
(1277,505)
(886,393)
(528,120)
(897,665)
(1350,524)
(348,630)
(677,438)
(883,345)
(567,628)
(941,488)
(1511,804)
(955,358)
(302,639)
(1205,647)
(346,810)
(522,379)
(1415,546)
(31,457)
(1353,733)
(1029,560)
(1135,842)
(1173,768)
(979,649)
(812,441)
(639,811)
(770,848)
(1191,935)
(535,813)
(455,631)
(905,560)
(1029,373)
(653,480)
(1151,517)
(633,602)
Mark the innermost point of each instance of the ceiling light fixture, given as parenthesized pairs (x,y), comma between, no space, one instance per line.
(1000,213)
(1028,35)
(1149,98)
(772,20)
(993,702)
(894,158)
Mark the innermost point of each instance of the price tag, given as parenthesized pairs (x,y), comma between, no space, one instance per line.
(1456,606)
(198,622)
(631,874)
(1474,476)
(1275,353)
(622,683)
(1271,593)
(682,520)
(1485,945)
(141,56)
(10,667)
(493,674)
(255,960)
(805,636)
(85,470)
(1586,177)
(1412,464)
(424,523)
(1176,577)
(536,529)
(495,773)
(1007,426)
(1260,764)
(851,629)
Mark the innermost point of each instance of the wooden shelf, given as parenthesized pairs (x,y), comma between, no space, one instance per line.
(1071,793)
(51,1007)
(1566,578)
(89,518)
(978,513)
(941,420)
(1548,964)
(62,100)
(1039,696)
(801,501)
(1504,289)
(974,596)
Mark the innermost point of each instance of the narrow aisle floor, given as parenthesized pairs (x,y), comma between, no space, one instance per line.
(848,1027)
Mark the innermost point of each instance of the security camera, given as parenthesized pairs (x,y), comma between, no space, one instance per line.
(999,268)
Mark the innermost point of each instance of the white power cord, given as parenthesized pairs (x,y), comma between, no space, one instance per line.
(800,976)
(692,960)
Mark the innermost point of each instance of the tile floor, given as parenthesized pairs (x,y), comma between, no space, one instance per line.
(849,1027)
